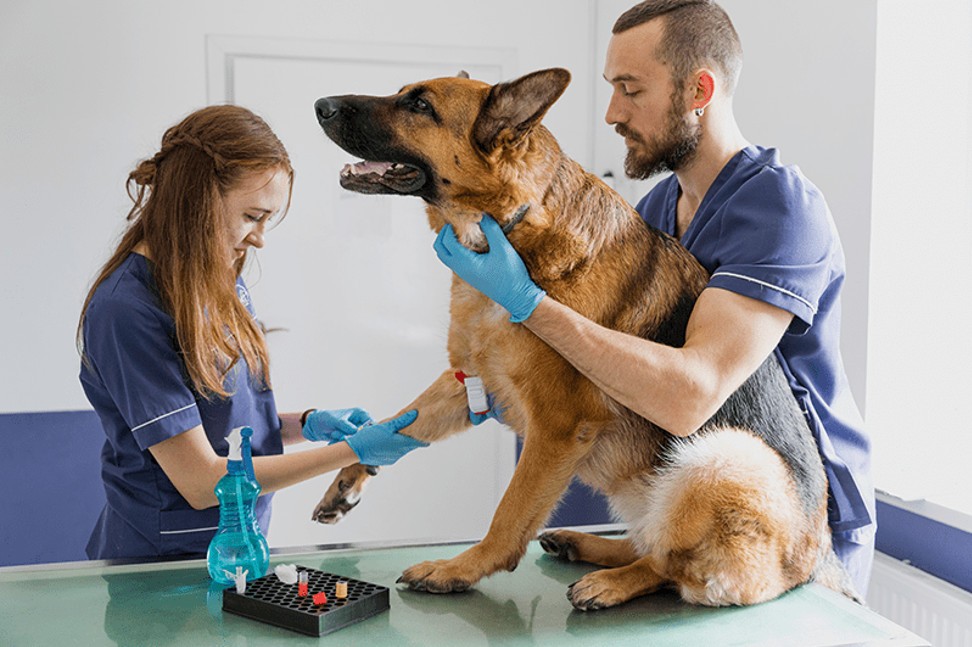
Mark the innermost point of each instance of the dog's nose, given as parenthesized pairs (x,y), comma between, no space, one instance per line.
(325,108)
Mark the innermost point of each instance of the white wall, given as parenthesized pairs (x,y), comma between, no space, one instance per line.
(86,90)
(919,340)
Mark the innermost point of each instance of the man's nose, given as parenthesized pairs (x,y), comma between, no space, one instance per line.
(613,114)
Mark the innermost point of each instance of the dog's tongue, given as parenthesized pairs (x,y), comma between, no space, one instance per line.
(363,168)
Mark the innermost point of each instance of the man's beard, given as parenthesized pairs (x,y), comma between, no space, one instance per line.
(670,151)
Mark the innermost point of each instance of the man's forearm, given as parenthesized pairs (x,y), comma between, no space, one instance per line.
(651,379)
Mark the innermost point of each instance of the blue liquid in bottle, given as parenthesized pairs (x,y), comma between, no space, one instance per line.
(238,542)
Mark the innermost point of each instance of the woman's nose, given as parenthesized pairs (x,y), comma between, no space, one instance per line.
(255,237)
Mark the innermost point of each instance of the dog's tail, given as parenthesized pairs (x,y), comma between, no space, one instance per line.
(831,573)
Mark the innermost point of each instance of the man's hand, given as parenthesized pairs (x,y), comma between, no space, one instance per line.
(499,273)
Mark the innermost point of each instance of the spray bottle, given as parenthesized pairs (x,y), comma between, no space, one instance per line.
(238,542)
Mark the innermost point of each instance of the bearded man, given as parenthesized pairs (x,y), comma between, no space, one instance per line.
(762,230)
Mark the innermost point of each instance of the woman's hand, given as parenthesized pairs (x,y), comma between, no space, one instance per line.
(333,425)
(381,444)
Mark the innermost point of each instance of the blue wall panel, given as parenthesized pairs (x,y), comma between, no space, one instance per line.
(50,485)
(934,547)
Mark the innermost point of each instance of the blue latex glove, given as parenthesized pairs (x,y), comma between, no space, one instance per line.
(495,412)
(382,444)
(334,424)
(499,273)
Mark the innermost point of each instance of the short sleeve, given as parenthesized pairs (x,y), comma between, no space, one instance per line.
(130,345)
(777,244)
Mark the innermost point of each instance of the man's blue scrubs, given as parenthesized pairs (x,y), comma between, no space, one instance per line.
(764,231)
(136,381)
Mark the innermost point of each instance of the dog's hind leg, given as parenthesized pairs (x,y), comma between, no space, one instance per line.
(613,586)
(576,546)
(724,522)
(442,412)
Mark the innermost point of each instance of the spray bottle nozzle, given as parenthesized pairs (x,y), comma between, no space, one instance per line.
(235,440)
(239,449)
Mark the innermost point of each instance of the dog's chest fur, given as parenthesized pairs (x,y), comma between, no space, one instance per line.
(597,257)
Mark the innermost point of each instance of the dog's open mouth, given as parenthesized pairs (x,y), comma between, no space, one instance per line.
(382,177)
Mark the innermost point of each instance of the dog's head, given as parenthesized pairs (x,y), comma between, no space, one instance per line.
(461,145)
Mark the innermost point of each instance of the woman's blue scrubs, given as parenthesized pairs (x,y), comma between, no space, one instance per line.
(764,231)
(136,381)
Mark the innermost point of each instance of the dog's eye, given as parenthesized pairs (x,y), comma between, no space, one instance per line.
(421,105)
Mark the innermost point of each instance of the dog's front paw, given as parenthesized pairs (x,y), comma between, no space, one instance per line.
(470,234)
(332,511)
(343,494)
(595,591)
(439,576)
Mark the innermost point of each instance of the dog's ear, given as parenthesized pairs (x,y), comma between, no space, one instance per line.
(463,74)
(512,109)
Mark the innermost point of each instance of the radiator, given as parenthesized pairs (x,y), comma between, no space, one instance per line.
(932,608)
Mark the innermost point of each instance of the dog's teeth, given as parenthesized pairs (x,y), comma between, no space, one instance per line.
(366,167)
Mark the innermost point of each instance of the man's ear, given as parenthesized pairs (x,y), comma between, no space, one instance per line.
(704,89)
(512,109)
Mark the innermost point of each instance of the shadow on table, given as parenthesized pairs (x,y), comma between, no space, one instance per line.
(494,618)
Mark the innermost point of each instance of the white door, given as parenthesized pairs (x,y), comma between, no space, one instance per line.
(359,297)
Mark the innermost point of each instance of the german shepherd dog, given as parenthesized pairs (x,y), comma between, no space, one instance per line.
(735,514)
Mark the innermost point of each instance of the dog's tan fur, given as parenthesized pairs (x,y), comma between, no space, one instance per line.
(718,515)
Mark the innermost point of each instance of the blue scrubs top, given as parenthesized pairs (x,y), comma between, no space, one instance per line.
(764,231)
(136,381)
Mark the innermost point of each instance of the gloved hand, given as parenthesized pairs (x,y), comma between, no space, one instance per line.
(495,412)
(333,425)
(499,273)
(381,444)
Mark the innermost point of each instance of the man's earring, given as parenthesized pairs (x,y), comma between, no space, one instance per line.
(699,111)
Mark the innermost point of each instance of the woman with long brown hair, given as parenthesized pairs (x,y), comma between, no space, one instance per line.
(173,357)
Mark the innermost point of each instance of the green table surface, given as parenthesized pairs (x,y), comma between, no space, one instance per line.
(173,603)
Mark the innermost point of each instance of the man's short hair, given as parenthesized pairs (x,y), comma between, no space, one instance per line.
(697,33)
